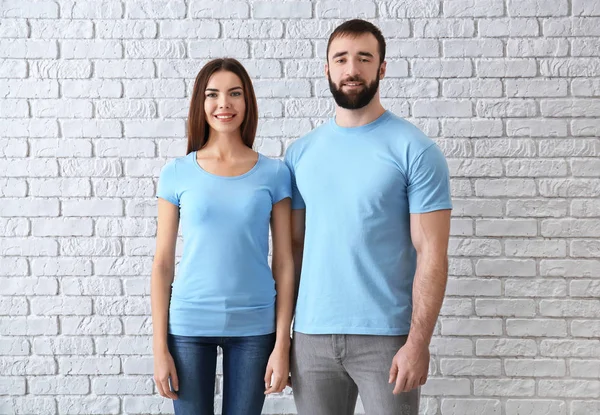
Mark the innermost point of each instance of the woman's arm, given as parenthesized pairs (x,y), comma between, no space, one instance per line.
(163,270)
(283,271)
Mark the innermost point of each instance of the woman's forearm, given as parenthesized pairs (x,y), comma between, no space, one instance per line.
(284,284)
(160,295)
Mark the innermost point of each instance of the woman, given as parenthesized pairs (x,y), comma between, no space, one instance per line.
(225,195)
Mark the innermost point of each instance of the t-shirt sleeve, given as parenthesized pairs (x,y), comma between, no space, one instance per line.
(167,183)
(283,183)
(429,182)
(297,201)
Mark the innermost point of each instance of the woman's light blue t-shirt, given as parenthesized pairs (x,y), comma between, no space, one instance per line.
(359,186)
(224,285)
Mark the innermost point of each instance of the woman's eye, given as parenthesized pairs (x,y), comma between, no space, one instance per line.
(211,95)
(236,94)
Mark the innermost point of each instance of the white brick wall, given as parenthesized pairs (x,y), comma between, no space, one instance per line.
(93,99)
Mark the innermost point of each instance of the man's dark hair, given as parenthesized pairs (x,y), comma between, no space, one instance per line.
(357,27)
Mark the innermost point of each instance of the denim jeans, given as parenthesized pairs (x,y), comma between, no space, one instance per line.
(244,365)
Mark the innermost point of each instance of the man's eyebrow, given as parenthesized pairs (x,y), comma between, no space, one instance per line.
(361,53)
(230,89)
(337,55)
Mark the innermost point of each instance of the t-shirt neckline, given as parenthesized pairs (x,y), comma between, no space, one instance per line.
(362,128)
(216,176)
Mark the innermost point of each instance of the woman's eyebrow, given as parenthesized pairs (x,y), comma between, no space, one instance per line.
(230,89)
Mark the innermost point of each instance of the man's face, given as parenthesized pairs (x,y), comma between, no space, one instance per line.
(353,70)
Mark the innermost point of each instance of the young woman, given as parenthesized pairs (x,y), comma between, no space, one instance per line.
(224,195)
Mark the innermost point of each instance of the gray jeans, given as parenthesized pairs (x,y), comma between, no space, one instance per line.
(329,371)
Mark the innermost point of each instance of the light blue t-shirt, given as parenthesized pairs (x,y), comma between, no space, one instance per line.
(223,286)
(359,186)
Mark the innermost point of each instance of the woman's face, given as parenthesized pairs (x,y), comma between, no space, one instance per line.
(224,102)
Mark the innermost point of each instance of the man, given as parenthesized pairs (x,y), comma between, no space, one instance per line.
(371,224)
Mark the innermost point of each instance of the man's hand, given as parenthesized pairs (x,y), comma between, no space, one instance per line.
(409,367)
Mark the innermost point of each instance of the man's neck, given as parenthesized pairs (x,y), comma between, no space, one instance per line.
(358,117)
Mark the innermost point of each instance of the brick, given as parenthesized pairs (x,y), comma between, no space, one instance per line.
(422,48)
(140,29)
(219,10)
(473,286)
(505,187)
(585,207)
(31,365)
(90,325)
(584,288)
(584,407)
(504,307)
(435,68)
(162,88)
(13,148)
(569,148)
(585,328)
(447,387)
(534,328)
(422,8)
(465,48)
(473,8)
(63,385)
(91,286)
(163,49)
(584,8)
(503,387)
(89,405)
(62,227)
(63,345)
(474,167)
(89,365)
(14,28)
(569,308)
(157,9)
(28,325)
(288,10)
(535,168)
(569,388)
(470,367)
(513,27)
(14,108)
(14,227)
(536,87)
(92,89)
(538,8)
(472,88)
(14,346)
(12,68)
(584,368)
(91,9)
(28,246)
(535,248)
(471,327)
(505,148)
(106,385)
(91,49)
(570,348)
(536,208)
(471,406)
(505,267)
(585,248)
(506,347)
(29,9)
(527,407)
(439,28)
(506,68)
(535,288)
(61,29)
(30,88)
(568,267)
(124,69)
(571,227)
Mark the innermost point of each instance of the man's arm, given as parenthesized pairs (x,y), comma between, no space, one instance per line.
(429,233)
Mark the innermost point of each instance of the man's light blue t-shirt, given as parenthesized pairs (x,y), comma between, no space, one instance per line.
(359,186)
(223,286)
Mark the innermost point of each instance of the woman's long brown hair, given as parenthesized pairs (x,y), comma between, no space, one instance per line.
(198,127)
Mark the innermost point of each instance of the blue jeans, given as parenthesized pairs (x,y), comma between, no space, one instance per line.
(244,365)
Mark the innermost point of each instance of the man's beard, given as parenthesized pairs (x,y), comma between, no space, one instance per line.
(354,101)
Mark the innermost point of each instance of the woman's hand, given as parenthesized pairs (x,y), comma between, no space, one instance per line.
(278,370)
(164,370)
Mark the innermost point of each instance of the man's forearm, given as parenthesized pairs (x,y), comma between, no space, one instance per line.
(429,287)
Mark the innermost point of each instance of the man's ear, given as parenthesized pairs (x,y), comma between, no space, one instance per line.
(382,70)
(326,70)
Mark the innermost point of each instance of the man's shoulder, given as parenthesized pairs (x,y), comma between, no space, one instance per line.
(298,146)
